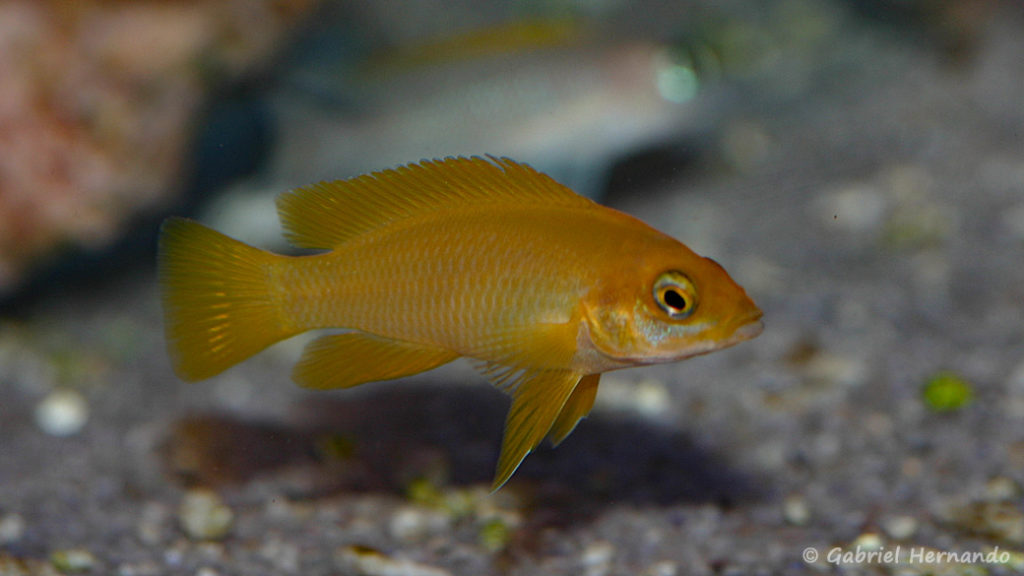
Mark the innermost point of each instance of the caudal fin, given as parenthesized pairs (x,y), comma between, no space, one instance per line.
(218,306)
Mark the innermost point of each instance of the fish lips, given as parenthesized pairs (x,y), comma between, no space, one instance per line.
(747,327)
(751,329)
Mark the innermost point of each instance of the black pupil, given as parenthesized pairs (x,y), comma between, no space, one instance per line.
(675,300)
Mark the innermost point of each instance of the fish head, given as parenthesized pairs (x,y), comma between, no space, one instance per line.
(675,305)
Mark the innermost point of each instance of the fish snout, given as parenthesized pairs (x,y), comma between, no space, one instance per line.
(750,328)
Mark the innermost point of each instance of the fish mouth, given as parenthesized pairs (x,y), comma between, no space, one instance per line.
(750,329)
(747,327)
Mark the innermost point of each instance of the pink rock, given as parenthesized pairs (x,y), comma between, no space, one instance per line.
(97,99)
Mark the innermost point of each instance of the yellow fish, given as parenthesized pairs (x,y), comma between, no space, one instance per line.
(484,258)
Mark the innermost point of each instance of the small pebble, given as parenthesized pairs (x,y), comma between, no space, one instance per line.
(868,541)
(1001,488)
(830,369)
(652,398)
(900,527)
(12,528)
(796,511)
(411,523)
(175,555)
(946,391)
(73,560)
(62,413)
(363,561)
(919,226)
(284,556)
(648,397)
(596,558)
(494,534)
(664,568)
(204,516)
(152,520)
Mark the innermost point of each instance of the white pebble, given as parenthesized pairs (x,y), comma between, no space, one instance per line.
(204,516)
(597,558)
(796,511)
(1001,489)
(12,528)
(410,524)
(900,527)
(73,560)
(647,397)
(62,413)
(868,541)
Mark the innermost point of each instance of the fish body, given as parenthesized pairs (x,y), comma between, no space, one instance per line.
(467,257)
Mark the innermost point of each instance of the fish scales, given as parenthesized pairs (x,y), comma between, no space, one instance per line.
(377,284)
(482,258)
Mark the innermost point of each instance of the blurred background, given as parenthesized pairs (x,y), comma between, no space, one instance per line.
(858,165)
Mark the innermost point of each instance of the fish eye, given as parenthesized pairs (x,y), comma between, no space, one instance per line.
(675,294)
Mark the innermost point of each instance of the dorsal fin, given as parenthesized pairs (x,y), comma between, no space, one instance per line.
(327,214)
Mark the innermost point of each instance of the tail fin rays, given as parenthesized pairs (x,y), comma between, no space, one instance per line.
(216,294)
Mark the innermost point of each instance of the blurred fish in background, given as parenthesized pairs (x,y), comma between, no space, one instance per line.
(551,92)
(567,95)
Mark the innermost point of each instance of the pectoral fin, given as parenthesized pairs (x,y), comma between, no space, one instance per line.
(353,358)
(576,408)
(537,399)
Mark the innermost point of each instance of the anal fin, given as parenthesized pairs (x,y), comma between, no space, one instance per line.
(537,399)
(576,408)
(353,358)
